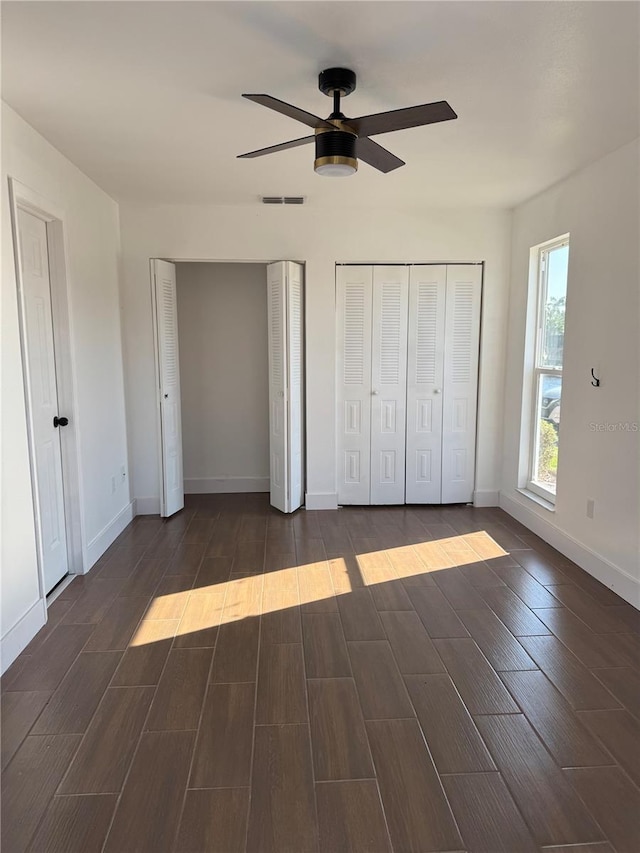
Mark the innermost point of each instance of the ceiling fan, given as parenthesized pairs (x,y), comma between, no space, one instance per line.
(341,141)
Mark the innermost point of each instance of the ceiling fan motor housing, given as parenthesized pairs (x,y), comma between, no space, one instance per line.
(340,80)
(335,148)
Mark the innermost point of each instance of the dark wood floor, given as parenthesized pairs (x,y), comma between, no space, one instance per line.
(394,679)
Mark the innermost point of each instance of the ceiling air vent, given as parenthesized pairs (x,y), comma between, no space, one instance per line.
(279,199)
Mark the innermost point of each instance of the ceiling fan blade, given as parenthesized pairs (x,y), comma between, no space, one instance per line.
(294,143)
(289,110)
(402,119)
(377,156)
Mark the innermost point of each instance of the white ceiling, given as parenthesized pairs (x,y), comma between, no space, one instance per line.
(145,96)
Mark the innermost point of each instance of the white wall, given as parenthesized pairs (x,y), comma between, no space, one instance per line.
(92,233)
(598,206)
(320,238)
(224,376)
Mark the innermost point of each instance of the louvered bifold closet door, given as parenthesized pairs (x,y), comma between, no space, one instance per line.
(389,383)
(460,390)
(166,327)
(425,377)
(285,309)
(354,304)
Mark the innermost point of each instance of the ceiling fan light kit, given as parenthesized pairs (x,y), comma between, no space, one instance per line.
(340,141)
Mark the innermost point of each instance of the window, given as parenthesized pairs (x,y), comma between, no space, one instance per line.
(552,267)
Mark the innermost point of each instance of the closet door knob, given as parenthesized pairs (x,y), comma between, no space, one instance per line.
(375,393)
(437,390)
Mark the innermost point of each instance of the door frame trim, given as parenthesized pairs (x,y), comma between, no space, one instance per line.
(22,197)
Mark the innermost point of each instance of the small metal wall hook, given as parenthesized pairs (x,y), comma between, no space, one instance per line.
(595,382)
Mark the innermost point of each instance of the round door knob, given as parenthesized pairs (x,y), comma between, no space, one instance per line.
(60,421)
(375,393)
(436,390)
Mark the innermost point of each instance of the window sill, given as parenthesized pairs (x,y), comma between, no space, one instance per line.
(532,496)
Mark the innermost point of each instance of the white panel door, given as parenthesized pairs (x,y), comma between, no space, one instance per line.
(43,397)
(425,377)
(286,407)
(166,316)
(389,383)
(460,389)
(354,293)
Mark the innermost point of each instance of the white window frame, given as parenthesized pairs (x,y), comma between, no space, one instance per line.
(542,269)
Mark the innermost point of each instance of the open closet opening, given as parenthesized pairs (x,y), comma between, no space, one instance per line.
(230,379)
(224,373)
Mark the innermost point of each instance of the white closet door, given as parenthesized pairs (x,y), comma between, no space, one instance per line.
(43,397)
(425,379)
(166,325)
(284,287)
(460,391)
(354,291)
(389,383)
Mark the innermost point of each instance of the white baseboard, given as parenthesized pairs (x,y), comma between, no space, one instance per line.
(321,500)
(222,485)
(606,572)
(18,638)
(100,543)
(146,506)
(486,498)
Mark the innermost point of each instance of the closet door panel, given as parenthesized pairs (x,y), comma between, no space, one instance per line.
(295,389)
(354,304)
(278,409)
(389,384)
(425,376)
(460,390)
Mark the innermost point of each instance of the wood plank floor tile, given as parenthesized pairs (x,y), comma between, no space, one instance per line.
(118,625)
(619,731)
(28,785)
(55,612)
(596,847)
(47,667)
(409,566)
(325,650)
(613,801)
(412,647)
(486,814)
(541,568)
(144,660)
(214,820)
(526,587)
(344,571)
(102,762)
(480,575)
(170,598)
(338,736)
(380,686)
(390,595)
(359,616)
(437,615)
(310,550)
(74,825)
(236,654)
(547,802)
(627,614)
(580,688)
(225,738)
(148,813)
(145,579)
(186,560)
(624,683)
(199,624)
(497,643)
(350,818)
(213,573)
(19,713)
(478,684)
(519,619)
(594,650)
(600,619)
(199,531)
(92,605)
(180,694)
(460,594)
(451,734)
(74,702)
(281,626)
(281,696)
(418,815)
(282,815)
(316,588)
(248,556)
(568,741)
